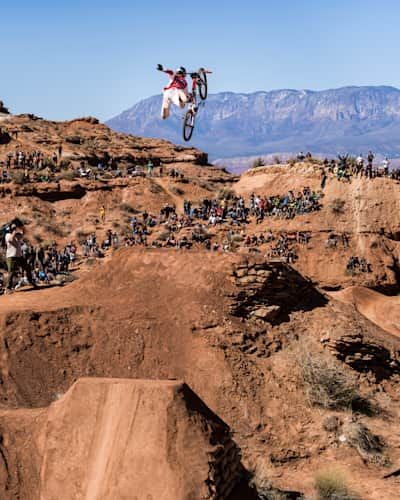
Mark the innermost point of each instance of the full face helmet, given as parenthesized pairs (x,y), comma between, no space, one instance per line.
(181,71)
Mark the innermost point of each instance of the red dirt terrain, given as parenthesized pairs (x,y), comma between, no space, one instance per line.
(87,410)
(122,438)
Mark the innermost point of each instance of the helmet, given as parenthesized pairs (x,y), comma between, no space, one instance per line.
(181,71)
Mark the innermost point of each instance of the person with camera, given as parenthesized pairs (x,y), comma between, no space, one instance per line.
(14,256)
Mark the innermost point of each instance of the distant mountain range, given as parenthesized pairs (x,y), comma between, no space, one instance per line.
(348,119)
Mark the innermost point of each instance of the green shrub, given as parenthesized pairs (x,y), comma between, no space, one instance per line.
(331,484)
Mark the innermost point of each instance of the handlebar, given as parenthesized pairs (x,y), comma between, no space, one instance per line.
(200,70)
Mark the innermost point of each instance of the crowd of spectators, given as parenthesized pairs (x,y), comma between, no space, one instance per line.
(35,166)
(355,263)
(345,167)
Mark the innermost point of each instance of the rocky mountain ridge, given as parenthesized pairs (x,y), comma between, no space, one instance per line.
(348,119)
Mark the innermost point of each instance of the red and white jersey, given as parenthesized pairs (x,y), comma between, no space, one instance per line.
(175,81)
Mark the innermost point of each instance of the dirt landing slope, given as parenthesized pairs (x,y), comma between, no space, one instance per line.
(382,310)
(125,438)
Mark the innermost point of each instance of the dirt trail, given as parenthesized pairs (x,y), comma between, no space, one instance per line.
(382,310)
(110,439)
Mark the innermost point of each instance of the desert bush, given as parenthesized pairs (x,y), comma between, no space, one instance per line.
(155,188)
(125,207)
(369,445)
(337,206)
(259,478)
(68,175)
(291,162)
(331,484)
(64,164)
(258,162)
(326,383)
(38,238)
(234,238)
(177,191)
(56,230)
(205,185)
(226,194)
(47,163)
(82,235)
(276,160)
(18,177)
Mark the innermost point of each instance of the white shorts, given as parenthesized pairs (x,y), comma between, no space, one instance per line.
(174,95)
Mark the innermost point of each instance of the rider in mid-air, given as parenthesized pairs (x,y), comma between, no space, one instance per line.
(176,91)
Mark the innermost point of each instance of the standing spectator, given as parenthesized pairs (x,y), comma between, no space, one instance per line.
(102,213)
(385,165)
(370,160)
(359,164)
(14,256)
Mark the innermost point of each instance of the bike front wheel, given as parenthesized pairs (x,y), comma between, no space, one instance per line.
(202,84)
(188,124)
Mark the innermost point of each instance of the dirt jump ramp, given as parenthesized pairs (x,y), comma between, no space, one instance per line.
(122,439)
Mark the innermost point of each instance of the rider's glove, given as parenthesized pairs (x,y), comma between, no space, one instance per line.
(160,67)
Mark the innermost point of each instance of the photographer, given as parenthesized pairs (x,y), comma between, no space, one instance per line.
(14,256)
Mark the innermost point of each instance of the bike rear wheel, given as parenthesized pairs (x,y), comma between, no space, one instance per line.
(188,124)
(202,84)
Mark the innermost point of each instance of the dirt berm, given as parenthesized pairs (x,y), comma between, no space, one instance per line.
(119,438)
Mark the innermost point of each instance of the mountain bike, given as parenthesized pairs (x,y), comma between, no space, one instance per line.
(199,83)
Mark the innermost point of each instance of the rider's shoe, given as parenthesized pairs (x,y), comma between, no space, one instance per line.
(165,113)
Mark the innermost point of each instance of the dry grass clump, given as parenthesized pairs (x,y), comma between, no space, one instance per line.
(259,479)
(326,383)
(368,445)
(331,484)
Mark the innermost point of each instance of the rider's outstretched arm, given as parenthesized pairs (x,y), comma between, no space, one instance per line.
(160,67)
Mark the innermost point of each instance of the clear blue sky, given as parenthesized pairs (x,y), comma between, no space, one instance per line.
(62,60)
